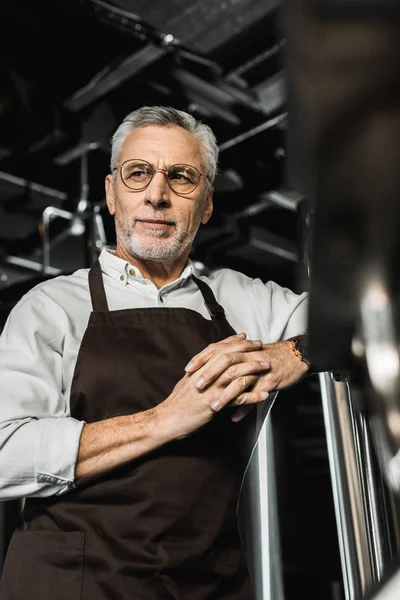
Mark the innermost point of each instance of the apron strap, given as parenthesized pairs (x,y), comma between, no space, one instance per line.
(100,304)
(216,310)
(96,287)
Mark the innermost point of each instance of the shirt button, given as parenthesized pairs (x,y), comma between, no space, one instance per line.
(131,272)
(122,277)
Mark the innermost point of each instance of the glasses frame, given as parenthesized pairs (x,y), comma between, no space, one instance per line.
(165,171)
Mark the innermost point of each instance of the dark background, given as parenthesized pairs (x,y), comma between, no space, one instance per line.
(70,70)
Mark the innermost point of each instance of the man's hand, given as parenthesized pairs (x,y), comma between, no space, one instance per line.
(190,406)
(285,370)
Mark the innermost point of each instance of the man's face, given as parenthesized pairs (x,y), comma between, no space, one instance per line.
(156,224)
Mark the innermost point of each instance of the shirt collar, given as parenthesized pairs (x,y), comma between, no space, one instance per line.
(122,270)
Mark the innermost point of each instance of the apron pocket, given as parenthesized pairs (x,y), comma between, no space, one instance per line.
(44,565)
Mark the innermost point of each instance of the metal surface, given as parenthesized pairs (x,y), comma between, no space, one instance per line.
(258,513)
(362,504)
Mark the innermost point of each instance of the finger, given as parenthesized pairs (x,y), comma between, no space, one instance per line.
(233,390)
(249,398)
(195,361)
(235,345)
(228,367)
(241,412)
(267,382)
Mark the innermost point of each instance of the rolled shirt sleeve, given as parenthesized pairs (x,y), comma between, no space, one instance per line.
(39,440)
(264,310)
(284,312)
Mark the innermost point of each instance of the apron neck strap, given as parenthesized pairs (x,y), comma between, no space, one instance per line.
(96,287)
(216,311)
(100,304)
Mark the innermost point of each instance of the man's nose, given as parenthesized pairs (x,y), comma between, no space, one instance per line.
(158,190)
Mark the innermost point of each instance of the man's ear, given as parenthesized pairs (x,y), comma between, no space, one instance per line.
(208,207)
(110,194)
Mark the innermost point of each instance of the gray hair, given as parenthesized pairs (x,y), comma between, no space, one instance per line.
(166,116)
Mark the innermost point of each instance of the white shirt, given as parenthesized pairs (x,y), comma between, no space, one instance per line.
(39,439)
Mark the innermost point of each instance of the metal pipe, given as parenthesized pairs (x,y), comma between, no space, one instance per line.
(374,504)
(124,71)
(48,213)
(99,238)
(252,132)
(270,576)
(343,462)
(83,203)
(258,513)
(78,226)
(31,265)
(362,505)
(32,186)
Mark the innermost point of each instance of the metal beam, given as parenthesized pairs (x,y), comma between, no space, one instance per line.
(110,78)
(31,185)
(273,244)
(30,265)
(274,122)
(220,93)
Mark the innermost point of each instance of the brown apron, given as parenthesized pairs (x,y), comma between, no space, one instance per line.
(162,526)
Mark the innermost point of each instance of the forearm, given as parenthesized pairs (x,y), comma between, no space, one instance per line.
(46,457)
(107,444)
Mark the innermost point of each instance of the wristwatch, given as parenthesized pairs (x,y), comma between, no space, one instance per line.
(299,347)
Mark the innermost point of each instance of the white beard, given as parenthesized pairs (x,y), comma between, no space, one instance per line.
(154,247)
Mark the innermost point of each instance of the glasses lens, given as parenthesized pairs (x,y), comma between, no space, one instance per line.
(183,179)
(136,174)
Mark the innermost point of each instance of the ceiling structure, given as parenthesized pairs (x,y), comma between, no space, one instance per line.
(72,69)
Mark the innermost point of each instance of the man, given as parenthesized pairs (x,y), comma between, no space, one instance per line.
(119,388)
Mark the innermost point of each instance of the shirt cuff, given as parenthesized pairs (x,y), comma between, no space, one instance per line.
(56,451)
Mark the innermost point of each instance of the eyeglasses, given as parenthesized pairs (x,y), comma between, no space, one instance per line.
(136,174)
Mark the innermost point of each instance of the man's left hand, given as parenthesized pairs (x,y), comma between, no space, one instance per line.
(285,370)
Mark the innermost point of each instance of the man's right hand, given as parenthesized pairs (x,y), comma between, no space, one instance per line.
(189,408)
